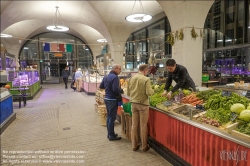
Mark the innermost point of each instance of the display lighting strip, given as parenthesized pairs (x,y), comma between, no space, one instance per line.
(6,35)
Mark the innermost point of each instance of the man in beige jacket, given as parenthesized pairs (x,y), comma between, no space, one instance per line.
(139,89)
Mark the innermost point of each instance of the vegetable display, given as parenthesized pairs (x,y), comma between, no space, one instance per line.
(204,95)
(191,99)
(156,97)
(243,127)
(221,115)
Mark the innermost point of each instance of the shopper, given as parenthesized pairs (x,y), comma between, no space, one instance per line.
(112,90)
(78,78)
(65,75)
(180,75)
(73,80)
(139,89)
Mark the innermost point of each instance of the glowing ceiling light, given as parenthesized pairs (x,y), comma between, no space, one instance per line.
(5,35)
(102,40)
(56,26)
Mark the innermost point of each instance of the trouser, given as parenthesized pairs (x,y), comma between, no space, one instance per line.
(112,107)
(139,115)
(65,80)
(78,84)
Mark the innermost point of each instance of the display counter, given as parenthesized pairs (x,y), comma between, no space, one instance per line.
(186,142)
(90,87)
(7,116)
(29,79)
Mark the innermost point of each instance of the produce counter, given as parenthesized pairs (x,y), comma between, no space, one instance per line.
(186,142)
(240,90)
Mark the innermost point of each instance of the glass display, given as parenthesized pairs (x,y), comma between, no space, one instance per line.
(25,78)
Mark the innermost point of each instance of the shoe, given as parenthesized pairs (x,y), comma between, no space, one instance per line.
(136,148)
(146,149)
(114,138)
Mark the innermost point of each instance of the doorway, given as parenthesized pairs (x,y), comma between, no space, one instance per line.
(50,73)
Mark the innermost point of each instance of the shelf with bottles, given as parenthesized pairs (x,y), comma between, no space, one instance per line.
(25,78)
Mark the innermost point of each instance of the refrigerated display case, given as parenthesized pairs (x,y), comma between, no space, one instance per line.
(29,79)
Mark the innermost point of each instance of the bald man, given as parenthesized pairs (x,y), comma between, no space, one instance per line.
(111,84)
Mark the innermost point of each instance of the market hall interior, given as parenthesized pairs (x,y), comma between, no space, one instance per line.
(59,119)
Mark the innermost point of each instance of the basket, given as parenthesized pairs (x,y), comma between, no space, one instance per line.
(205,78)
(103,116)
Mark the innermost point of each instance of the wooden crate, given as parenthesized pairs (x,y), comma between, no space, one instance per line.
(126,124)
(232,130)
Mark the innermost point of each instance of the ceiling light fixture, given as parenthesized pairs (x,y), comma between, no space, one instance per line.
(55,26)
(26,48)
(249,26)
(6,35)
(102,40)
(138,17)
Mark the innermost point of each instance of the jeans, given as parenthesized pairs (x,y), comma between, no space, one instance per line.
(112,107)
(65,80)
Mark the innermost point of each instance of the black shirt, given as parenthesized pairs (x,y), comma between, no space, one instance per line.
(181,77)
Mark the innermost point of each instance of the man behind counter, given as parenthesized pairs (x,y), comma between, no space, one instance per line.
(180,75)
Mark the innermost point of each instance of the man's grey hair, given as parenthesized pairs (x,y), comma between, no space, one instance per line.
(115,66)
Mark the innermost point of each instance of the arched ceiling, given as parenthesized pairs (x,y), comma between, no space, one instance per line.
(88,20)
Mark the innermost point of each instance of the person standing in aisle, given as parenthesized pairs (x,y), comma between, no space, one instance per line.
(112,90)
(78,78)
(73,80)
(139,89)
(65,75)
(180,75)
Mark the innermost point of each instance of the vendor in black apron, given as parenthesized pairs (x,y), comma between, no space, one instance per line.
(180,75)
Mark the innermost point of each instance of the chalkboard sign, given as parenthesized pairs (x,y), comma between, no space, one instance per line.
(248,94)
(233,116)
(226,93)
(200,107)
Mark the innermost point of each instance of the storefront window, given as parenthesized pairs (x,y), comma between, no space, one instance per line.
(225,25)
(140,47)
(156,34)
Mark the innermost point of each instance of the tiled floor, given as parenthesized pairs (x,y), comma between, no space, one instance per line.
(60,120)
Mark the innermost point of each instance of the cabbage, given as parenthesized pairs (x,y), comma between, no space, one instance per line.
(245,115)
(237,108)
(248,108)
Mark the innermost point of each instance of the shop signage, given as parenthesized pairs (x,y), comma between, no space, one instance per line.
(200,107)
(226,93)
(233,116)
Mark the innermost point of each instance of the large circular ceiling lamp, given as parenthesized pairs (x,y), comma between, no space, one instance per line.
(6,35)
(139,17)
(56,26)
(102,40)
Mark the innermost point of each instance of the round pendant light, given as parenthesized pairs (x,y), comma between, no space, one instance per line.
(102,40)
(58,28)
(138,17)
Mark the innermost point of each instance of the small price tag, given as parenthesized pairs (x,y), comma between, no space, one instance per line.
(248,94)
(226,93)
(200,107)
(233,116)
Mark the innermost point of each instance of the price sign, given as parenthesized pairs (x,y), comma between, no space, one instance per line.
(200,107)
(248,94)
(226,93)
(233,116)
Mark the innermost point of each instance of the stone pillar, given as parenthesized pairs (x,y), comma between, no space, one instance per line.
(185,14)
